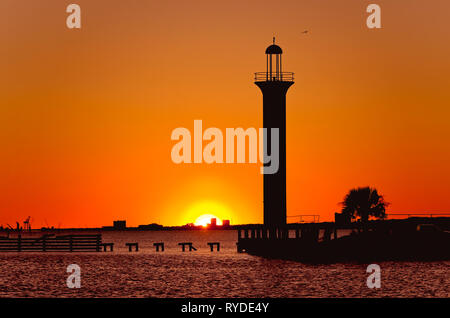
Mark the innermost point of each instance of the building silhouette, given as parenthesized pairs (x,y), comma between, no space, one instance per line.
(274,84)
(119,225)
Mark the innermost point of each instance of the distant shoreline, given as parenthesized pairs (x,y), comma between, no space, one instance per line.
(443,222)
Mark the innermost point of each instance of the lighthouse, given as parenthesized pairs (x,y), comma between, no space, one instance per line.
(274,84)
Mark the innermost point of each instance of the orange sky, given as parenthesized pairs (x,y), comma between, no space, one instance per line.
(86,115)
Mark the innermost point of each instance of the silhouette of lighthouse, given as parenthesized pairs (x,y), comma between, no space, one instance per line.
(274,84)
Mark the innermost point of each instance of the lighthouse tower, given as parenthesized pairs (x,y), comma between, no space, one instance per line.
(274,84)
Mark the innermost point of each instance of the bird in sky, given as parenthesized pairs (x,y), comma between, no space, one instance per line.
(304,32)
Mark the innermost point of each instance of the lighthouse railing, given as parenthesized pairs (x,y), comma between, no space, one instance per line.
(274,76)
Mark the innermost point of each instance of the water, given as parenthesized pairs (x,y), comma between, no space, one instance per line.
(205,274)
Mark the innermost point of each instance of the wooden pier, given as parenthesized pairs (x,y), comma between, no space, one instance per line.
(258,238)
(376,240)
(294,239)
(290,231)
(51,243)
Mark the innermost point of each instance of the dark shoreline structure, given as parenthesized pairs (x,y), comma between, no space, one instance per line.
(413,239)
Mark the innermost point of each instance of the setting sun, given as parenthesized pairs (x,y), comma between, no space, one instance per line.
(205,219)
(201,212)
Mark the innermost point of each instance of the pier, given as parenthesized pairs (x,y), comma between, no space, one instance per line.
(319,242)
(51,243)
(260,237)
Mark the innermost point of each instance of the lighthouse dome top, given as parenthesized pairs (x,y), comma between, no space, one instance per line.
(274,49)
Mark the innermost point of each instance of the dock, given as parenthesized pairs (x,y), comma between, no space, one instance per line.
(377,240)
(259,238)
(51,243)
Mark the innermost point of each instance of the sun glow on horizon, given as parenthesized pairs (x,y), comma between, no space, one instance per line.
(202,212)
(205,219)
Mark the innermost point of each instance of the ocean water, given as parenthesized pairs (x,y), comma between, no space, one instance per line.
(206,274)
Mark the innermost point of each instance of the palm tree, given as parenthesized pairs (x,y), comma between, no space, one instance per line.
(364,203)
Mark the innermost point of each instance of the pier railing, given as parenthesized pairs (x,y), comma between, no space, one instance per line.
(50,243)
(274,76)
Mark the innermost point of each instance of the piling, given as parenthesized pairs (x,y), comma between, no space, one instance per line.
(189,244)
(131,245)
(212,244)
(159,245)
